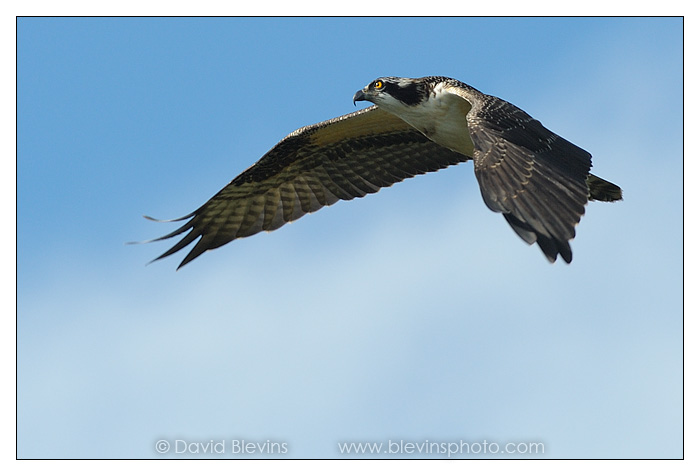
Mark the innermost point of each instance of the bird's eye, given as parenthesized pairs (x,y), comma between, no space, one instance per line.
(378,84)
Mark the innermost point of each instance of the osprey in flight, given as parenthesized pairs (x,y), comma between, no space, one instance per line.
(539,181)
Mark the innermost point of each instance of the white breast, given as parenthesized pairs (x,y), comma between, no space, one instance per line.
(442,118)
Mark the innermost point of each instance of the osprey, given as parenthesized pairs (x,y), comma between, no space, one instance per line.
(539,181)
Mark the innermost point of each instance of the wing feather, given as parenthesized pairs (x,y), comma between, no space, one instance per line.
(340,159)
(534,177)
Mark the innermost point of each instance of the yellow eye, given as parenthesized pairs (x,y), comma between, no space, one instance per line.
(378,84)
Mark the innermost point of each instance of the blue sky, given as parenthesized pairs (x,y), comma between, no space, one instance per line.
(414,314)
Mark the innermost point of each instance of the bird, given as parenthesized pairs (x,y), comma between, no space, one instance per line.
(537,180)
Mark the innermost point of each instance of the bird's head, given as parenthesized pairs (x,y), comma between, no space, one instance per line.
(392,93)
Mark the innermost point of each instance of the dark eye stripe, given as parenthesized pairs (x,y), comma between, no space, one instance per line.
(410,94)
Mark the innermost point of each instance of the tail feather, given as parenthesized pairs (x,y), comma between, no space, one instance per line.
(602,190)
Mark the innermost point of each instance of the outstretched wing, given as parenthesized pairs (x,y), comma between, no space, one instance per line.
(531,175)
(340,159)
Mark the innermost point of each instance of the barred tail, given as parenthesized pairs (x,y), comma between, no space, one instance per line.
(602,190)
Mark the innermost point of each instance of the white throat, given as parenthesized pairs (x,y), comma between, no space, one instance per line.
(442,118)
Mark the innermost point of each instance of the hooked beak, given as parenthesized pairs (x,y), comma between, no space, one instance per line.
(359,96)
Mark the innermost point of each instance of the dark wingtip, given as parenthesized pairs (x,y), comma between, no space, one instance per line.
(189,215)
(189,238)
(553,248)
(190,257)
